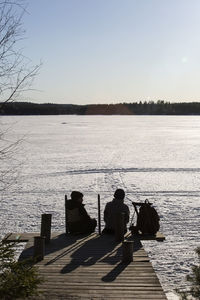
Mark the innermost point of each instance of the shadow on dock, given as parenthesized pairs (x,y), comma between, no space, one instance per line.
(84,250)
(91,267)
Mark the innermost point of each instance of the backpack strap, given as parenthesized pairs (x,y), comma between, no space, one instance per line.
(135,207)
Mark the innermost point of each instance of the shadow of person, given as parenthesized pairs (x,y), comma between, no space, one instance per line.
(58,242)
(112,275)
(121,266)
(96,249)
(84,250)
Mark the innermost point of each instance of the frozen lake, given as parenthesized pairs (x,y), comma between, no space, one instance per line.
(154,157)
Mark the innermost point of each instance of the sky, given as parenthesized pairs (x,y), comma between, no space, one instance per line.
(111,51)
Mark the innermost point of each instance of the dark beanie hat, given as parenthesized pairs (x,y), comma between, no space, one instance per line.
(75,195)
(119,194)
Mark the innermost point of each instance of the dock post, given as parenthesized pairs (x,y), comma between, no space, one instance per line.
(99,214)
(119,227)
(39,247)
(46,227)
(66,225)
(127,251)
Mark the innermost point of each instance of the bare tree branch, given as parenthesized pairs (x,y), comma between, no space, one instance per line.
(16,76)
(15,73)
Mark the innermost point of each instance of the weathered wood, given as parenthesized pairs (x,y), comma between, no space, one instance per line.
(56,296)
(46,227)
(25,237)
(90,267)
(39,248)
(158,237)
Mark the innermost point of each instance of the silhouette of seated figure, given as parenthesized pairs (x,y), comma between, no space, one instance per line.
(78,220)
(113,208)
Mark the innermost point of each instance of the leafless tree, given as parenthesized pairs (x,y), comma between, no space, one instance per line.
(16,74)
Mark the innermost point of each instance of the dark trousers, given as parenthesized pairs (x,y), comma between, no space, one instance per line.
(89,227)
(83,227)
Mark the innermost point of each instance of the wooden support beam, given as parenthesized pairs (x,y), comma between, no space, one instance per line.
(39,248)
(46,227)
(127,251)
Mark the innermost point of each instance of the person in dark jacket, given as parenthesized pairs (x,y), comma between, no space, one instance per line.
(112,209)
(78,219)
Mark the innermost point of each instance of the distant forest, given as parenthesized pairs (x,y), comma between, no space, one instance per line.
(140,108)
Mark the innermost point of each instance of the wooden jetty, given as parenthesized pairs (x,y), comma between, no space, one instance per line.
(90,267)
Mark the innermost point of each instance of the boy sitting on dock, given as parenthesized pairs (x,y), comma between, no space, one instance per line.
(78,219)
(113,208)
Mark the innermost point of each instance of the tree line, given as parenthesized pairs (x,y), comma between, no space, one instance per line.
(135,108)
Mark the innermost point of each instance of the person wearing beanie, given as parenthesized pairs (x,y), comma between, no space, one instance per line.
(78,220)
(112,209)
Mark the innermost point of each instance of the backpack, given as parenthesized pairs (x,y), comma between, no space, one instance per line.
(148,219)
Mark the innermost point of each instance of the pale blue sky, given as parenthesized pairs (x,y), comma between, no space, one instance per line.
(109,51)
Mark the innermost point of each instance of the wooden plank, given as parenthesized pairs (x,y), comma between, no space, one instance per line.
(112,292)
(158,237)
(84,285)
(90,267)
(78,278)
(56,296)
(25,237)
